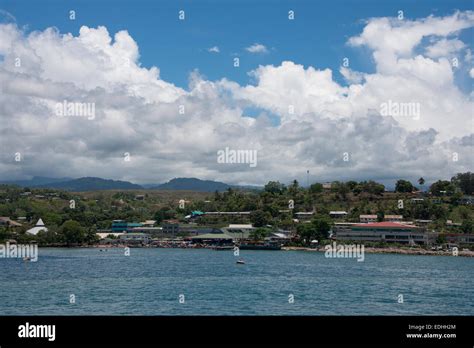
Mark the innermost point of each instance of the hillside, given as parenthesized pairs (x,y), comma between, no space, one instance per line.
(91,184)
(193,184)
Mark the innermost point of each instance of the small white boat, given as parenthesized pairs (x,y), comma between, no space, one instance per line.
(240,262)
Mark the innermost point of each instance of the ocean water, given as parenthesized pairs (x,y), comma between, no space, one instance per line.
(153,281)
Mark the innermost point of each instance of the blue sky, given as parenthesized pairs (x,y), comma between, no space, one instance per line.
(316,38)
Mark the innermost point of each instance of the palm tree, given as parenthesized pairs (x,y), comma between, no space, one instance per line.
(421,181)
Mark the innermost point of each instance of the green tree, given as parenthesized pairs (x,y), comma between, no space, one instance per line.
(341,189)
(442,187)
(260,218)
(351,184)
(317,229)
(464,213)
(274,187)
(293,188)
(467,226)
(4,234)
(323,226)
(91,236)
(164,213)
(371,187)
(306,232)
(422,211)
(72,232)
(316,188)
(259,234)
(403,186)
(465,182)
(441,239)
(48,237)
(380,216)
(455,197)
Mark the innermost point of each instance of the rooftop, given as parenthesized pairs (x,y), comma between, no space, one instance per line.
(384,225)
(9,221)
(213,236)
(240,226)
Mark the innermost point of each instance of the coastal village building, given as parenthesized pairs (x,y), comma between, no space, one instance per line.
(195,214)
(393,218)
(6,221)
(193,230)
(304,216)
(338,214)
(417,200)
(124,226)
(213,239)
(388,232)
(327,186)
(239,228)
(467,200)
(38,228)
(119,226)
(421,222)
(104,235)
(281,236)
(144,229)
(227,213)
(148,223)
(238,231)
(460,238)
(143,238)
(215,215)
(451,224)
(367,218)
(373,218)
(170,227)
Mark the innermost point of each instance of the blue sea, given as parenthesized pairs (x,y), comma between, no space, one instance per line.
(208,282)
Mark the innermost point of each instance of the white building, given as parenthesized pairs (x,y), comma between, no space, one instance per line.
(327,186)
(338,214)
(304,215)
(367,218)
(103,235)
(149,223)
(393,218)
(38,228)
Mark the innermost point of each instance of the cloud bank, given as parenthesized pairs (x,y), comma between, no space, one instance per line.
(146,129)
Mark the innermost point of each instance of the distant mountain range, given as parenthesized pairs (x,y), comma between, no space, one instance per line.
(35,181)
(97,184)
(192,184)
(91,184)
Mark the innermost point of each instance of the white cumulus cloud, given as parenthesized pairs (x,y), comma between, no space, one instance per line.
(257,48)
(444,48)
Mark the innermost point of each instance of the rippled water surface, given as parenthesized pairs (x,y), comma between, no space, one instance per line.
(150,282)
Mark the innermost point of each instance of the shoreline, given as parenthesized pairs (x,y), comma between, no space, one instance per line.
(369,250)
(392,250)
